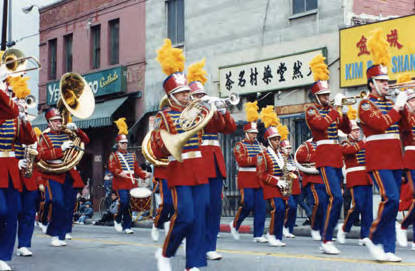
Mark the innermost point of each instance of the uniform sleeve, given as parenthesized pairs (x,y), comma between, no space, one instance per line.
(241,156)
(114,165)
(8,108)
(26,134)
(156,143)
(262,170)
(216,124)
(373,117)
(84,137)
(46,150)
(230,125)
(352,148)
(345,125)
(316,121)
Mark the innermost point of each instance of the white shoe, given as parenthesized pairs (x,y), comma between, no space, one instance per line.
(213,255)
(390,257)
(401,237)
(128,231)
(261,239)
(285,232)
(234,232)
(315,235)
(155,233)
(163,263)
(23,251)
(4,266)
(192,269)
(117,226)
(290,235)
(43,227)
(274,242)
(362,242)
(341,235)
(329,248)
(413,246)
(56,242)
(376,251)
(166,228)
(68,236)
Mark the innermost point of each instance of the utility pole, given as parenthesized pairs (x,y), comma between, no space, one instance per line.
(4,25)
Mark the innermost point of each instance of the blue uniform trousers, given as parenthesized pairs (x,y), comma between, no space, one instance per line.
(304,204)
(383,230)
(278,206)
(332,178)
(189,221)
(317,196)
(291,212)
(165,209)
(26,217)
(124,211)
(410,217)
(10,206)
(252,199)
(69,202)
(55,197)
(362,203)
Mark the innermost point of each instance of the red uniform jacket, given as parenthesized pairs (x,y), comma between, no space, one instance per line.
(77,180)
(306,154)
(8,108)
(379,122)
(192,171)
(49,148)
(324,123)
(246,157)
(211,150)
(408,138)
(354,159)
(116,165)
(269,172)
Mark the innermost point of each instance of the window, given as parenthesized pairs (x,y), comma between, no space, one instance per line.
(114,41)
(52,46)
(95,46)
(300,6)
(67,43)
(175,21)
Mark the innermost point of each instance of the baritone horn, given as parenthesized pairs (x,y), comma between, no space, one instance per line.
(353,99)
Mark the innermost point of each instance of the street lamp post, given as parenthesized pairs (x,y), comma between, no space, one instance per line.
(4,25)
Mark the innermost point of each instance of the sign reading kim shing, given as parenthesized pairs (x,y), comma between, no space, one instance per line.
(355,57)
(101,83)
(277,73)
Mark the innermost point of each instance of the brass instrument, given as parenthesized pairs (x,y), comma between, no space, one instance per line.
(30,154)
(404,85)
(164,102)
(288,176)
(309,168)
(232,100)
(76,98)
(351,100)
(17,63)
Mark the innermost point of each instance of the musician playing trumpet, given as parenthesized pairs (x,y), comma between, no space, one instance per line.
(59,187)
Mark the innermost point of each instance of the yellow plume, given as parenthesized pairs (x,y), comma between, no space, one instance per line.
(319,68)
(251,110)
(378,47)
(269,117)
(351,113)
(122,126)
(19,86)
(171,59)
(283,131)
(403,78)
(196,72)
(37,131)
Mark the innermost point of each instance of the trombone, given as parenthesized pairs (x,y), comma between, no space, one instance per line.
(16,62)
(351,100)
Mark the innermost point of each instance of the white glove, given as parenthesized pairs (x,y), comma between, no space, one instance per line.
(338,99)
(71,126)
(222,110)
(22,116)
(66,145)
(41,188)
(401,100)
(22,164)
(282,184)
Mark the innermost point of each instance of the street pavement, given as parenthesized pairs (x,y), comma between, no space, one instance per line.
(101,248)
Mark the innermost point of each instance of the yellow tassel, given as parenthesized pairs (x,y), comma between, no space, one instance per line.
(196,72)
(251,110)
(283,131)
(122,126)
(319,68)
(19,86)
(171,59)
(378,47)
(351,112)
(269,116)
(37,131)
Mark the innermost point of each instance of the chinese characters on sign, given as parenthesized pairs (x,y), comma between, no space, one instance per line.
(283,72)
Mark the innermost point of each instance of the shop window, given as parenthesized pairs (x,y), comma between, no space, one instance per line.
(95,46)
(301,6)
(175,21)
(114,41)
(67,43)
(52,50)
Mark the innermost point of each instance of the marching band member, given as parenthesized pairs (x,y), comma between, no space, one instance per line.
(123,165)
(270,166)
(214,161)
(252,196)
(360,185)
(186,179)
(324,122)
(52,144)
(291,214)
(379,119)
(313,183)
(13,127)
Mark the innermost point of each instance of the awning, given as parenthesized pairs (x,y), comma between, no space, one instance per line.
(101,116)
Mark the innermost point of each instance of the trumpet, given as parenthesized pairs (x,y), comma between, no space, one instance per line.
(220,103)
(351,100)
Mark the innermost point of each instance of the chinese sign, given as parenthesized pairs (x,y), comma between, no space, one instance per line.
(278,73)
(101,83)
(355,56)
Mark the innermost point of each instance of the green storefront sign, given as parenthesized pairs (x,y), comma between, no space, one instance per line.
(102,83)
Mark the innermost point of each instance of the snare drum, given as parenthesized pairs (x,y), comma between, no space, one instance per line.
(140,199)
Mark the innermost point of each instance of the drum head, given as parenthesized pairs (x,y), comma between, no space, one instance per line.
(140,192)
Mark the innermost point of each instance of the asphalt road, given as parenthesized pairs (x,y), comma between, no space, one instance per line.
(101,248)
